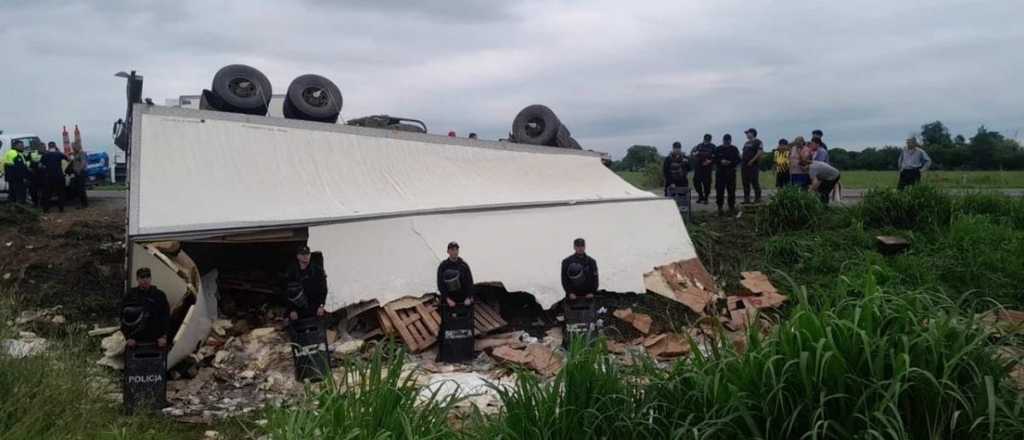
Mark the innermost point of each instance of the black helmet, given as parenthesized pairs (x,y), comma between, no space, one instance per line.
(451,279)
(296,294)
(575,273)
(132,318)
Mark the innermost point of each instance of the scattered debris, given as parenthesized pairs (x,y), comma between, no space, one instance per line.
(341,349)
(640,321)
(666,345)
(687,282)
(104,331)
(538,357)
(513,339)
(27,344)
(113,351)
(756,283)
(417,322)
(476,389)
(1001,322)
(29,316)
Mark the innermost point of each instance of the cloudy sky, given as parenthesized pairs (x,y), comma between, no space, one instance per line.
(617,73)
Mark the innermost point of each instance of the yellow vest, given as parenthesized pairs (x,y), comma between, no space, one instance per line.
(781,161)
(10,156)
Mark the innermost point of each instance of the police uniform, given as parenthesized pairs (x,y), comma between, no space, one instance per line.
(306,289)
(454,282)
(727,157)
(52,169)
(675,170)
(17,174)
(155,319)
(751,173)
(586,282)
(450,289)
(700,153)
(36,180)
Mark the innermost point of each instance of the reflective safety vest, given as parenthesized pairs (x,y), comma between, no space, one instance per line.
(781,161)
(10,156)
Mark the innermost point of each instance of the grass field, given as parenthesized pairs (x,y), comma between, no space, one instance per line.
(887,179)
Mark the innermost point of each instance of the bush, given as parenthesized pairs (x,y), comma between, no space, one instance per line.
(791,209)
(652,176)
(1005,209)
(919,206)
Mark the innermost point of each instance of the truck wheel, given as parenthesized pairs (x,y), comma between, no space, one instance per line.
(537,125)
(312,98)
(563,139)
(242,89)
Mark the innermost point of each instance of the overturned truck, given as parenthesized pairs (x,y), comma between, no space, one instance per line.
(212,192)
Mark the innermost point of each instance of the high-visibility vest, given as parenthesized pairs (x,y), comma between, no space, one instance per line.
(10,156)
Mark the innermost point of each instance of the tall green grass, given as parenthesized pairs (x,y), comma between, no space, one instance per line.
(880,366)
(375,399)
(53,396)
(961,246)
(791,209)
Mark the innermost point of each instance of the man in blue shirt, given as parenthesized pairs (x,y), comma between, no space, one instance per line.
(913,161)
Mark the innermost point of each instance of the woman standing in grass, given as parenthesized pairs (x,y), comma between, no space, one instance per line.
(798,152)
(782,164)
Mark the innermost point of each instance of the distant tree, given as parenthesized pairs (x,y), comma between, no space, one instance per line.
(935,133)
(638,157)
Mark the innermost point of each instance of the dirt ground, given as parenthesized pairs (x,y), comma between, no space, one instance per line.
(74,259)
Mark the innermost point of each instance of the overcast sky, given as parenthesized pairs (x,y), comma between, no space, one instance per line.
(617,73)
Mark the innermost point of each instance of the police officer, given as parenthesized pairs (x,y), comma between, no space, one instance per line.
(305,286)
(36,179)
(579,273)
(703,162)
(727,157)
(53,177)
(17,172)
(145,314)
(455,284)
(8,159)
(675,168)
(753,149)
(454,279)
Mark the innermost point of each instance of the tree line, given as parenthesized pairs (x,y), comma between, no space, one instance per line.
(986,150)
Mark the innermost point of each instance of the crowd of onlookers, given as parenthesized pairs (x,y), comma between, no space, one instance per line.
(800,163)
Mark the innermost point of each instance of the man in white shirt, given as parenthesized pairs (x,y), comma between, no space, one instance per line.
(913,161)
(823,178)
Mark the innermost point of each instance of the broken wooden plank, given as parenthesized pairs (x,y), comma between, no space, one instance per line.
(428,319)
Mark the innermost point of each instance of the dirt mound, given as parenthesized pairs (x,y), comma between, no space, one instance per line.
(74,259)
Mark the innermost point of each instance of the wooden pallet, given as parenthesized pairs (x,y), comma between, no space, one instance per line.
(417,322)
